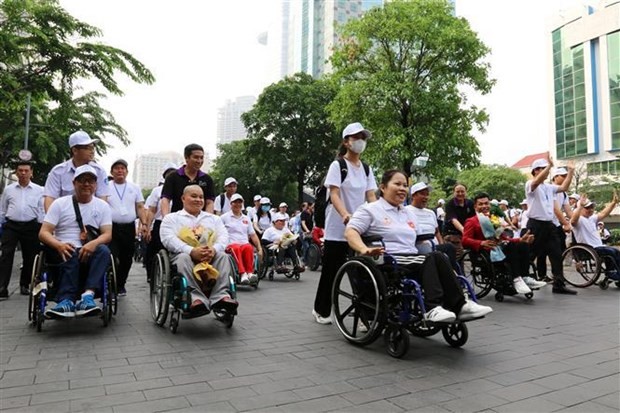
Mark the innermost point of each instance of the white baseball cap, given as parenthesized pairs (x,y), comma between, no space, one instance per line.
(168,167)
(540,163)
(279,217)
(524,202)
(494,202)
(441,201)
(84,169)
(503,202)
(282,204)
(230,180)
(236,197)
(354,128)
(575,196)
(419,187)
(257,198)
(558,171)
(80,138)
(265,200)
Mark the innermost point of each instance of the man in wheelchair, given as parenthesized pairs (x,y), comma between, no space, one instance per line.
(513,251)
(279,237)
(196,241)
(76,247)
(387,218)
(584,222)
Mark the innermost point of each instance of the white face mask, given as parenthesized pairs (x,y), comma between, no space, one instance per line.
(358,145)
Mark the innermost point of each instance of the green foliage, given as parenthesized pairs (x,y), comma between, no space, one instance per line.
(44,52)
(615,236)
(500,182)
(290,138)
(402,69)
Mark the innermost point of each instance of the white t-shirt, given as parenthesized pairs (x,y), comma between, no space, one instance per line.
(397,225)
(562,200)
(59,181)
(540,201)
(154,201)
(352,192)
(239,227)
(427,224)
(62,215)
(217,204)
(441,213)
(586,231)
(263,221)
(272,234)
(523,218)
(123,199)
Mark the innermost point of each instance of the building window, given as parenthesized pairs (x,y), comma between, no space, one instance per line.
(604,168)
(613,54)
(570,101)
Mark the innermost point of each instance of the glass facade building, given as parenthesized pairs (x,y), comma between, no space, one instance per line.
(585,57)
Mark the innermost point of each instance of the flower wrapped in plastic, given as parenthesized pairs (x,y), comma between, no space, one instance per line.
(492,229)
(288,239)
(204,272)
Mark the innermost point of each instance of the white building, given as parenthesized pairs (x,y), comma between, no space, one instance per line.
(229,125)
(148,168)
(584,79)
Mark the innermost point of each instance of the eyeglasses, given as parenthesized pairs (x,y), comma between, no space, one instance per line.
(87,180)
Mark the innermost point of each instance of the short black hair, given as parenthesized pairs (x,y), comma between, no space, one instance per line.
(480,195)
(23,163)
(191,148)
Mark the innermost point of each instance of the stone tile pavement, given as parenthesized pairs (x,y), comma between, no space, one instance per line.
(554,353)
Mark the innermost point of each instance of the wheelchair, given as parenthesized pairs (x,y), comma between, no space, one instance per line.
(485,276)
(374,296)
(315,256)
(44,286)
(583,266)
(171,295)
(257,265)
(268,266)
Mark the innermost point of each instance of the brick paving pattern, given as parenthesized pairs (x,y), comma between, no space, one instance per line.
(554,353)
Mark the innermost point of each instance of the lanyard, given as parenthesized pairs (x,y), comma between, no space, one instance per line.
(117,193)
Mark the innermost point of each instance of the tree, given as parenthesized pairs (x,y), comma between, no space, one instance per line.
(290,137)
(500,182)
(44,52)
(402,70)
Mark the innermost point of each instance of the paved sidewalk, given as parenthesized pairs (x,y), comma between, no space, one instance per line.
(554,353)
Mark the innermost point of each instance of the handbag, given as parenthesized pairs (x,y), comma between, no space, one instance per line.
(91,232)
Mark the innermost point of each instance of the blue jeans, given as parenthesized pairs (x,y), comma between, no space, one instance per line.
(69,273)
(612,252)
(306,240)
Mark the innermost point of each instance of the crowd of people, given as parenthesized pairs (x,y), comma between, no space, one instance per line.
(82,215)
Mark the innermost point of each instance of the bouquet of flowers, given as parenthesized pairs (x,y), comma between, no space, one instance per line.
(492,229)
(288,239)
(204,272)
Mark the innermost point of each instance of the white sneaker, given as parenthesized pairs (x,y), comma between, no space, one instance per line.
(440,315)
(520,286)
(253,278)
(321,320)
(534,284)
(245,279)
(472,310)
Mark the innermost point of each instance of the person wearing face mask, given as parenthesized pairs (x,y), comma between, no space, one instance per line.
(262,217)
(345,196)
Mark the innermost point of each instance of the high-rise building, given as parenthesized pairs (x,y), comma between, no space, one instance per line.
(148,168)
(229,125)
(311,32)
(585,79)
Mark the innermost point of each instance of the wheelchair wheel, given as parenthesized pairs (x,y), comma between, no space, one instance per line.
(113,291)
(160,288)
(455,334)
(421,329)
(314,257)
(358,296)
(582,265)
(477,273)
(106,315)
(36,270)
(396,341)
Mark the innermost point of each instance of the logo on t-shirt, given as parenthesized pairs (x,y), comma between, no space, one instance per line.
(387,221)
(411,224)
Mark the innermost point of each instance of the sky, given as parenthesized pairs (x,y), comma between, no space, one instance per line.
(205,52)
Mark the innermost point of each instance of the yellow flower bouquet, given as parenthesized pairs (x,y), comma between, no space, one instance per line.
(204,272)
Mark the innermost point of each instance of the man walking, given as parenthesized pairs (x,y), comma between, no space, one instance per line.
(21,211)
(127,204)
(221,205)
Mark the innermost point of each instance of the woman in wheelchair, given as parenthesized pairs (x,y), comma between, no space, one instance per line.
(387,218)
(279,237)
(240,229)
(61,232)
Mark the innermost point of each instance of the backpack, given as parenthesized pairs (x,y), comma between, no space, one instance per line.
(322,200)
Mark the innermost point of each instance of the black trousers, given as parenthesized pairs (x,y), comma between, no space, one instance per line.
(439,283)
(152,249)
(334,255)
(123,247)
(518,258)
(547,244)
(27,234)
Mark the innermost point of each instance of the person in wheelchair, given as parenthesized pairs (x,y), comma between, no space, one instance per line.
(279,237)
(585,221)
(514,251)
(386,217)
(61,232)
(240,229)
(211,293)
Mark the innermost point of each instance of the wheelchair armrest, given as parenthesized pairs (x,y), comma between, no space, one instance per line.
(370,239)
